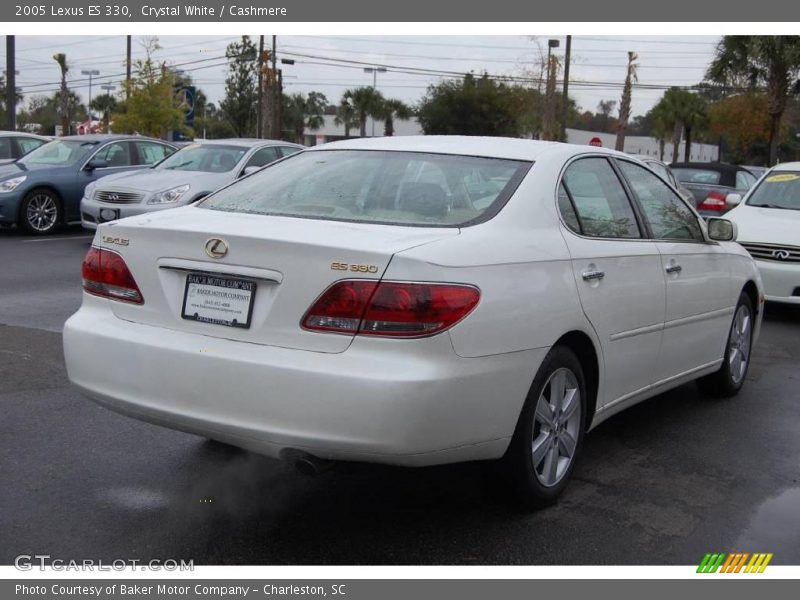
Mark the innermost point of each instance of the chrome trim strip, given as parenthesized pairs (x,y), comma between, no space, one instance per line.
(634,332)
(194,266)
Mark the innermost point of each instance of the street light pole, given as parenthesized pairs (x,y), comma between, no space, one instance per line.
(108,89)
(374,71)
(91,73)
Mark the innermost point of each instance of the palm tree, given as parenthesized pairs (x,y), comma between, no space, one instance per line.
(694,114)
(683,111)
(345,115)
(105,104)
(390,110)
(61,59)
(366,102)
(760,60)
(303,112)
(625,102)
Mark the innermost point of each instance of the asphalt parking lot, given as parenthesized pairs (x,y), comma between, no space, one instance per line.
(662,483)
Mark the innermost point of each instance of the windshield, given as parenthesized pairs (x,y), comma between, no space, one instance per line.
(707,176)
(209,158)
(59,153)
(778,190)
(400,188)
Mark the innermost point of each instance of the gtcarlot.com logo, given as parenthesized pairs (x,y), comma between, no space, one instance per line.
(735,562)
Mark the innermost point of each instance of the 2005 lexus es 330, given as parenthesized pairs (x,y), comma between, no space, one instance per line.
(416,301)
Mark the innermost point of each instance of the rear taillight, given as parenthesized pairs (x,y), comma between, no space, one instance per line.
(106,274)
(714,201)
(390,308)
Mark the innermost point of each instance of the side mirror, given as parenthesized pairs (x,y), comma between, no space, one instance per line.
(96,163)
(250,169)
(722,230)
(733,199)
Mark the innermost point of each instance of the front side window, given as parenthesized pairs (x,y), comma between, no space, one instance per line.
(602,206)
(6,149)
(399,188)
(668,216)
(777,190)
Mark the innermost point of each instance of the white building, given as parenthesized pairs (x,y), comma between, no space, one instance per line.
(634,144)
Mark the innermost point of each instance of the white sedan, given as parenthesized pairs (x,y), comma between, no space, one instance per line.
(769,228)
(416,301)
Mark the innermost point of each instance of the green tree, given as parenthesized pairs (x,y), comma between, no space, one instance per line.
(685,111)
(390,110)
(302,112)
(366,102)
(472,106)
(241,87)
(3,99)
(771,61)
(152,108)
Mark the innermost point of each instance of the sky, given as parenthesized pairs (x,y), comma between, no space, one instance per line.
(413,62)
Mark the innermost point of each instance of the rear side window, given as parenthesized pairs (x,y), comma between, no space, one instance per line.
(289,150)
(668,216)
(744,180)
(262,157)
(117,154)
(602,206)
(150,153)
(400,188)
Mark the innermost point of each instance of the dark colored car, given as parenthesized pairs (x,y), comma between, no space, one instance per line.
(710,184)
(44,189)
(16,144)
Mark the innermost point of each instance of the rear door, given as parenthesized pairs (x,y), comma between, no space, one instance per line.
(618,273)
(696,274)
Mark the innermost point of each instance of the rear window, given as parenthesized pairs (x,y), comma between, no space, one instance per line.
(397,188)
(697,175)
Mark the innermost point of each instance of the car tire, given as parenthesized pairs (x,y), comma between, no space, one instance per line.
(547,440)
(729,379)
(40,212)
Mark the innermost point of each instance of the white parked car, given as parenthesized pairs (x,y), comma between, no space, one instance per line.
(769,228)
(416,301)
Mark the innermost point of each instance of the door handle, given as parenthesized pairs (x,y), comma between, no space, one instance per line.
(593,275)
(673,269)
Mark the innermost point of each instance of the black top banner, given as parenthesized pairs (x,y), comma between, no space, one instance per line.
(712,11)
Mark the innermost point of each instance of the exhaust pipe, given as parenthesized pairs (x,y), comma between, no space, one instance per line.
(307,464)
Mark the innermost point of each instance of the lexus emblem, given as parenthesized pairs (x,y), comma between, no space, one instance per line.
(780,254)
(216,248)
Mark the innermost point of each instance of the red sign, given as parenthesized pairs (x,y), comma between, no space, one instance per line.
(596,141)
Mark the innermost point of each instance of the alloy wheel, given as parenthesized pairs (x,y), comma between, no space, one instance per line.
(42,212)
(739,343)
(556,429)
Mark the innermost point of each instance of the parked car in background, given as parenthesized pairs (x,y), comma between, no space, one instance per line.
(16,144)
(769,229)
(710,184)
(190,174)
(44,188)
(416,301)
(663,169)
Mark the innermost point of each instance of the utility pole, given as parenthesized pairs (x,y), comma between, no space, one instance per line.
(11,85)
(550,129)
(374,71)
(277,91)
(565,99)
(260,112)
(108,89)
(91,73)
(128,71)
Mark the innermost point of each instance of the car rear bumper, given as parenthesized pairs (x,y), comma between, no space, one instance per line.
(781,281)
(406,402)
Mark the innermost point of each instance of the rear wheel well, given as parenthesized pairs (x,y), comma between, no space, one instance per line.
(581,344)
